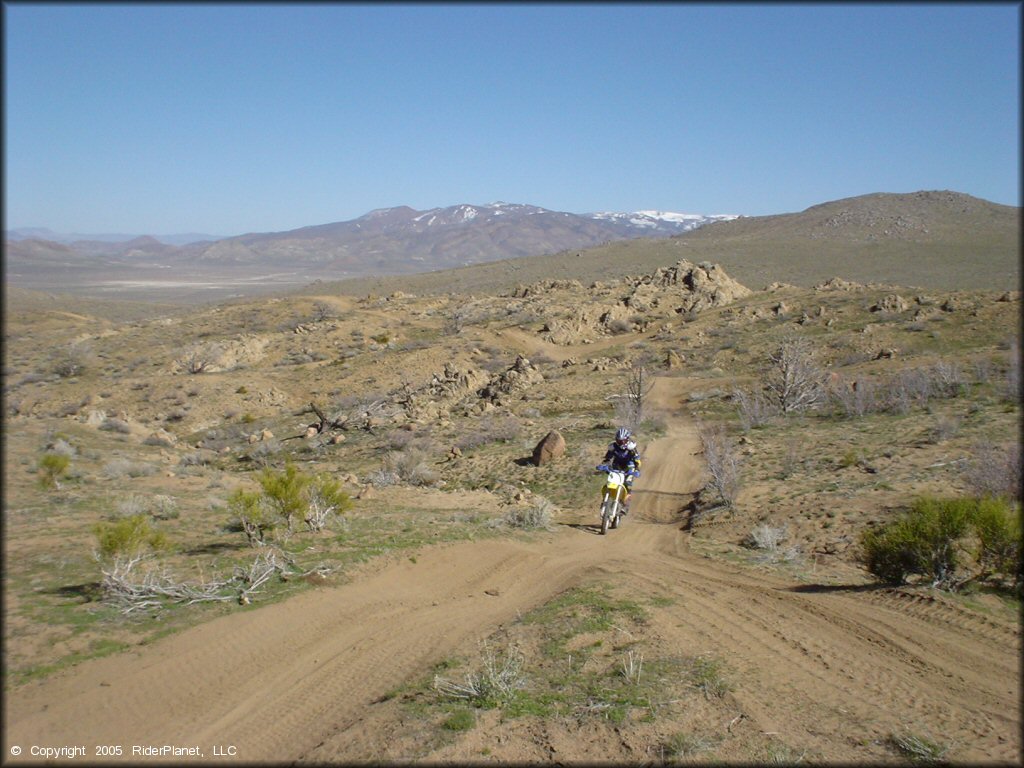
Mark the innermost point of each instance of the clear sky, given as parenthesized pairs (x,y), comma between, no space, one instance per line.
(225,119)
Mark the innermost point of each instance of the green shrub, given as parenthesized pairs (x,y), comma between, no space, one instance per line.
(997,526)
(51,467)
(128,536)
(285,491)
(256,519)
(925,540)
(930,538)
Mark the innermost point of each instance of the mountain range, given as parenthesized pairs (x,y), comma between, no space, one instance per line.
(384,241)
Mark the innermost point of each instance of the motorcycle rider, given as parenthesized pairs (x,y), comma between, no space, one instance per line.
(624,457)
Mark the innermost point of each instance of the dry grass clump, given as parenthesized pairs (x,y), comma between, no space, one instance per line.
(120,467)
(537,515)
(768,539)
(994,470)
(495,684)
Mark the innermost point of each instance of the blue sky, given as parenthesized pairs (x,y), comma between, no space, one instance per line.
(224,119)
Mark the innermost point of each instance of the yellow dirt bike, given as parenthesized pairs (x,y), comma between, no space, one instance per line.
(613,496)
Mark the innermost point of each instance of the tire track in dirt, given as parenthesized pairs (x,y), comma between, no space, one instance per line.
(833,669)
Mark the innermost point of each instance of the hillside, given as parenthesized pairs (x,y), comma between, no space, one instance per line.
(939,240)
(925,239)
(722,622)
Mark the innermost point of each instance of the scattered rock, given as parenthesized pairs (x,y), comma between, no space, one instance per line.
(891,304)
(838,284)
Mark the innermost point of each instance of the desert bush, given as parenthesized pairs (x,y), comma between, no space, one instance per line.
(925,540)
(196,360)
(768,539)
(947,380)
(264,453)
(128,536)
(856,399)
(325,499)
(794,380)
(619,325)
(73,362)
(765,537)
(51,467)
(722,463)
(116,468)
(755,410)
(410,466)
(493,685)
(536,515)
(194,459)
(120,426)
(251,511)
(382,478)
(994,470)
(997,527)
(945,427)
(286,492)
(163,507)
(910,387)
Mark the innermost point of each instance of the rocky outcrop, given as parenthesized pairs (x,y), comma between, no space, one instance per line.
(891,304)
(687,287)
(445,391)
(521,376)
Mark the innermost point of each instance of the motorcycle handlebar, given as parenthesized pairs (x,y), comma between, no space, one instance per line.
(606,468)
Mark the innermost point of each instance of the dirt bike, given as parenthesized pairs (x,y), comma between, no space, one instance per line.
(614,494)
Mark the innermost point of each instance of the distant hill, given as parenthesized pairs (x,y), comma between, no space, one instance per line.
(931,239)
(386,241)
(403,240)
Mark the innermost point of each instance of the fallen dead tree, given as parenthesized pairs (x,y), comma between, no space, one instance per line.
(131,591)
(360,417)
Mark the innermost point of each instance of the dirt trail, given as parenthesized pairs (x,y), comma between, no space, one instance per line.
(839,666)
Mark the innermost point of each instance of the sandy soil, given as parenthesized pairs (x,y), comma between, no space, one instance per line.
(836,667)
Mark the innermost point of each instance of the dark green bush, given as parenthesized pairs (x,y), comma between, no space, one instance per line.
(998,528)
(931,537)
(924,540)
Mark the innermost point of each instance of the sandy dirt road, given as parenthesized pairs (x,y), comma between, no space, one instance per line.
(292,682)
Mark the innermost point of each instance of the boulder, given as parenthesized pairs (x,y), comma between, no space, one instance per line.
(549,449)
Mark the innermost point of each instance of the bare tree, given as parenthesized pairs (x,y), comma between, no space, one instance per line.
(195,361)
(723,464)
(322,311)
(630,407)
(795,380)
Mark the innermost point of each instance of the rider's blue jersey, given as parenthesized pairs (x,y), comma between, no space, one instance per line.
(622,457)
